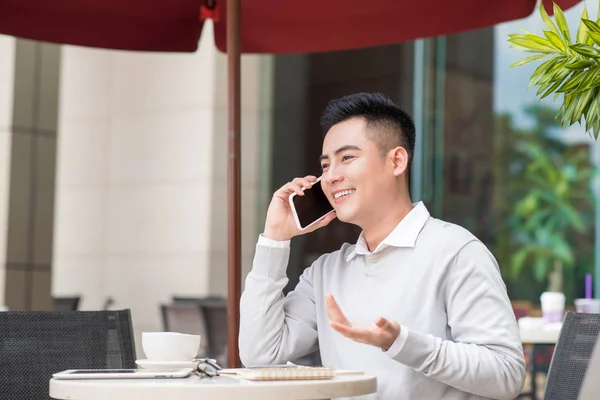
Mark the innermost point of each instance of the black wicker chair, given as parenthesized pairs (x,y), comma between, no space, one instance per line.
(36,344)
(66,303)
(572,355)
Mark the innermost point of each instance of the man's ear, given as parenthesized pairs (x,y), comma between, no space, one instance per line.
(399,158)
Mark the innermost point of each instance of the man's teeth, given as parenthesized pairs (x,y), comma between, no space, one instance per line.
(343,193)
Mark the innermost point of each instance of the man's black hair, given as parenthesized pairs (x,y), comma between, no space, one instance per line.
(387,124)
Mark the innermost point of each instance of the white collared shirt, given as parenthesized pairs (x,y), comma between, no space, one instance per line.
(404,234)
(458,339)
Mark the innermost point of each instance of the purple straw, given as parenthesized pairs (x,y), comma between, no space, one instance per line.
(588,286)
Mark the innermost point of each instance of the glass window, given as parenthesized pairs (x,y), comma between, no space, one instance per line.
(496,162)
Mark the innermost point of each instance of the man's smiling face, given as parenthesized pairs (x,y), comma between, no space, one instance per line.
(357,178)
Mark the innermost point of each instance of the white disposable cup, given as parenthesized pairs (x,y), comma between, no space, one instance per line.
(589,306)
(553,306)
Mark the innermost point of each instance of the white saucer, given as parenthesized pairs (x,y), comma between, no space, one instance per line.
(150,364)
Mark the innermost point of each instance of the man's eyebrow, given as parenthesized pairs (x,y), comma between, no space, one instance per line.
(338,151)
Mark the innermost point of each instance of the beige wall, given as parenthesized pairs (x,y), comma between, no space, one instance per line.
(7,61)
(141,178)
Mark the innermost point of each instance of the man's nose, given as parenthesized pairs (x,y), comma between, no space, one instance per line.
(332,177)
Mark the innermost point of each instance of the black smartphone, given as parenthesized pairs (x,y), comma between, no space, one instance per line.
(311,207)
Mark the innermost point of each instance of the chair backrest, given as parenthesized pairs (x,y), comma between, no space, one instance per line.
(66,303)
(182,316)
(572,355)
(36,344)
(186,317)
(185,299)
(215,314)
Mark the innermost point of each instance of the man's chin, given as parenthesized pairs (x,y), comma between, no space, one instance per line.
(345,217)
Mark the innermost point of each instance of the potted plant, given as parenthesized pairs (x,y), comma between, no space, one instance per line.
(544,201)
(570,67)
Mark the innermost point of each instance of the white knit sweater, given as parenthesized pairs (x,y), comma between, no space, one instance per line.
(459,338)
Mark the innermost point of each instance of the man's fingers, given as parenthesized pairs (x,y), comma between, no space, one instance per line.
(294,187)
(297,184)
(303,183)
(356,334)
(334,311)
(383,323)
(322,223)
(341,328)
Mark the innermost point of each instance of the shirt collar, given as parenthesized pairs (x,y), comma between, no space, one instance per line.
(404,234)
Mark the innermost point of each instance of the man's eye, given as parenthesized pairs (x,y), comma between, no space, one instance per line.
(346,158)
(324,166)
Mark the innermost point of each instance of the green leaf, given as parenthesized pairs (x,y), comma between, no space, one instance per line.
(549,71)
(596,80)
(527,60)
(561,22)
(555,84)
(522,29)
(585,50)
(593,119)
(595,37)
(596,103)
(547,19)
(596,130)
(533,42)
(518,261)
(556,41)
(540,268)
(579,64)
(572,83)
(562,251)
(547,89)
(582,101)
(582,35)
(558,76)
(566,109)
(591,25)
(542,71)
(586,82)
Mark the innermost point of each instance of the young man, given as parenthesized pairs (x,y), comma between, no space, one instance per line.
(417,302)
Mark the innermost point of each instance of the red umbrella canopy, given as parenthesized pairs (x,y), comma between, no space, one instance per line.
(268,26)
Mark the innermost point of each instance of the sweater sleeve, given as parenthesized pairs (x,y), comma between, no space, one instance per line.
(485,355)
(275,328)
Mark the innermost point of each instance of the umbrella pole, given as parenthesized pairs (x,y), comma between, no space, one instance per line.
(233,180)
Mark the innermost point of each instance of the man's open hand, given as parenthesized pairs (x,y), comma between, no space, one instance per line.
(382,333)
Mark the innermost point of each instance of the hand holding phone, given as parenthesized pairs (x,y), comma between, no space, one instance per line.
(281,222)
(311,207)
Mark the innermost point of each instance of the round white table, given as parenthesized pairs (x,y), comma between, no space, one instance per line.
(539,336)
(220,387)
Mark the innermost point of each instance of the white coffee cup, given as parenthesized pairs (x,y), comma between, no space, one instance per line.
(170,346)
(553,306)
